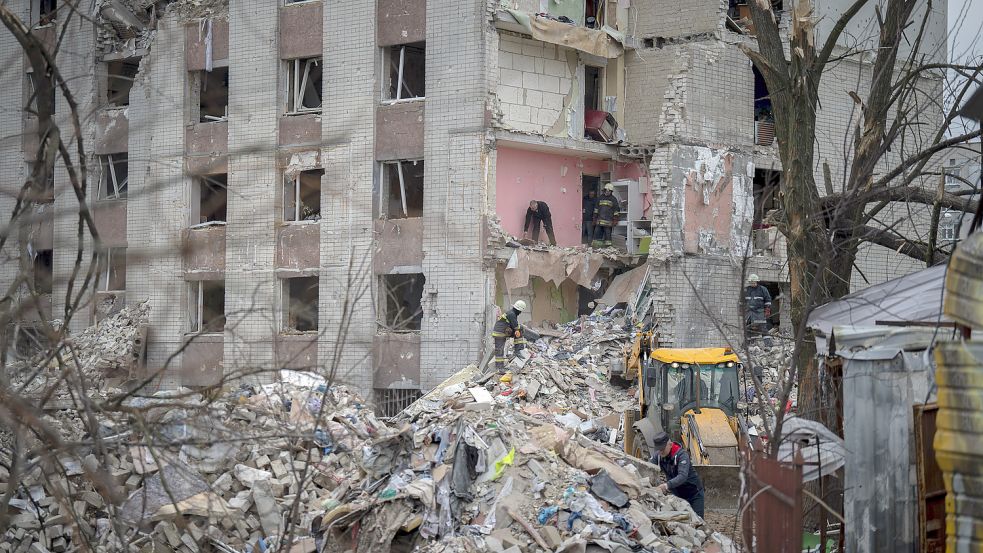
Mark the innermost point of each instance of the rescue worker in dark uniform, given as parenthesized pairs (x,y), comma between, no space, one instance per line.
(757,301)
(681,478)
(507,326)
(604,217)
(538,212)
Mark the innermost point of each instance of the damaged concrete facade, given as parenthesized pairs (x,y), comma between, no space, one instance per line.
(390,161)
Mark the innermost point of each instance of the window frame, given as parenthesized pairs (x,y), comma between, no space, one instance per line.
(108,164)
(106,266)
(384,186)
(297,84)
(286,302)
(400,67)
(197,314)
(294,184)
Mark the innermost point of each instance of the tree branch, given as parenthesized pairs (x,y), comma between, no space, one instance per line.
(908,194)
(834,34)
(924,154)
(893,241)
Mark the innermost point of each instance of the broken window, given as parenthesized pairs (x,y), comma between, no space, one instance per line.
(594,12)
(402,189)
(407,71)
(300,303)
(764,117)
(115,176)
(207,302)
(112,270)
(212,202)
(44,11)
(766,187)
(44,266)
(302,196)
(389,402)
(119,80)
(304,86)
(401,297)
(32,95)
(214,94)
(593,77)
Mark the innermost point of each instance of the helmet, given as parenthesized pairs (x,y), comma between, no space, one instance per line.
(753,278)
(609,186)
(520,306)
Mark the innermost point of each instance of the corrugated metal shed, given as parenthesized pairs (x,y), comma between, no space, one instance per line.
(880,497)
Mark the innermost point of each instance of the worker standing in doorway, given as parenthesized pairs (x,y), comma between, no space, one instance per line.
(757,301)
(604,217)
(538,212)
(507,326)
(587,220)
(681,478)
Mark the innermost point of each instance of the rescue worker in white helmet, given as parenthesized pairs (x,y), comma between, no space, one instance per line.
(507,326)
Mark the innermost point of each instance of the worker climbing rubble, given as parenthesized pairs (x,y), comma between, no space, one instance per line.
(507,326)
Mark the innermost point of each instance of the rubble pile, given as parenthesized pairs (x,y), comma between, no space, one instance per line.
(769,363)
(303,466)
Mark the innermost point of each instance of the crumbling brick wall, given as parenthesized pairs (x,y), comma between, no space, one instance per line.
(538,87)
(666,19)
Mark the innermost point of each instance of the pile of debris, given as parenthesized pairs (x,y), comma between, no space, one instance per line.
(769,362)
(303,466)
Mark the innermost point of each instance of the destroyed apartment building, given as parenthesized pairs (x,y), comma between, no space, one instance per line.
(278,178)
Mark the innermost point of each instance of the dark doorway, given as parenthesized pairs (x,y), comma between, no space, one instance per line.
(775,289)
(590,184)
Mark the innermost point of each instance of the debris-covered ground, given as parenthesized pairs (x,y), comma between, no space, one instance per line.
(298,465)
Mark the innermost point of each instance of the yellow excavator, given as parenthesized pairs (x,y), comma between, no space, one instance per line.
(692,395)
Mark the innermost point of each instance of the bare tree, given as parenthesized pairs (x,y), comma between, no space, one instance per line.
(824,232)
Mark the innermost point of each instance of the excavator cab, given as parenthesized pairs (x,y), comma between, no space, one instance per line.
(694,396)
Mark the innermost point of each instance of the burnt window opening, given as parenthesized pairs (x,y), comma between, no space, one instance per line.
(45,193)
(402,189)
(207,302)
(212,199)
(112,270)
(300,294)
(304,81)
(401,301)
(407,71)
(302,196)
(44,266)
(115,176)
(214,95)
(46,11)
(119,80)
(767,185)
(32,95)
(389,402)
(593,77)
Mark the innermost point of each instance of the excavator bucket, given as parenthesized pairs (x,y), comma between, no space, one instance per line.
(721,485)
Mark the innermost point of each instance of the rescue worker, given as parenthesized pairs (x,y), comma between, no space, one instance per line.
(757,301)
(507,326)
(538,212)
(681,478)
(587,219)
(604,217)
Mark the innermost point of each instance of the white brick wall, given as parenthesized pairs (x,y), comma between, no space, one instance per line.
(534,79)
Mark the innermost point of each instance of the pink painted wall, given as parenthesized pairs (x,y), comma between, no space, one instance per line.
(525,175)
(714,218)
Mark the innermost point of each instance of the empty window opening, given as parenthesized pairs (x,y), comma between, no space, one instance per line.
(593,77)
(46,11)
(300,312)
(32,95)
(212,199)
(214,94)
(302,196)
(402,189)
(390,402)
(594,12)
(44,266)
(767,185)
(207,299)
(119,80)
(115,176)
(112,270)
(304,85)
(401,301)
(407,71)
